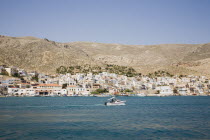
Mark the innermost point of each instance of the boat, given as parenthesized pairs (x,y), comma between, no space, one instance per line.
(113,101)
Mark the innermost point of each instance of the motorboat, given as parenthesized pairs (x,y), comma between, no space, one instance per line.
(113,101)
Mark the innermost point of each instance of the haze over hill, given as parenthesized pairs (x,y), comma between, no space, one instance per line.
(45,56)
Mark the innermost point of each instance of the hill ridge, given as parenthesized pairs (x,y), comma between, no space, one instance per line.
(44,55)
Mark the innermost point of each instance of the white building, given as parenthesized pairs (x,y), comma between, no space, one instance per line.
(73,90)
(165,90)
(50,90)
(182,90)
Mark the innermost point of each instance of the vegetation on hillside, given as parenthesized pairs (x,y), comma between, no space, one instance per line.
(121,70)
(45,56)
(160,73)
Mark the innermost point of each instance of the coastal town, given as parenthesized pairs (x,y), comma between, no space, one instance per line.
(20,83)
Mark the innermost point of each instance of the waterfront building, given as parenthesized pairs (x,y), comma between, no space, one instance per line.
(50,90)
(165,90)
(182,90)
(73,90)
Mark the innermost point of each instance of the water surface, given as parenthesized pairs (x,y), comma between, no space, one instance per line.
(87,118)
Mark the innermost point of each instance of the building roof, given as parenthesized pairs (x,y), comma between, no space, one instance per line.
(96,84)
(72,86)
(49,85)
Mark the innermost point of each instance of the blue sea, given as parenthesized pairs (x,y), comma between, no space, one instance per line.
(86,118)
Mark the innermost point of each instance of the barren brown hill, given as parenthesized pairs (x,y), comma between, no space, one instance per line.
(43,55)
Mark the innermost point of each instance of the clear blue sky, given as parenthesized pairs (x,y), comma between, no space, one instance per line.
(108,21)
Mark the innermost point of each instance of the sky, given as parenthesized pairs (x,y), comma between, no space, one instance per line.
(132,22)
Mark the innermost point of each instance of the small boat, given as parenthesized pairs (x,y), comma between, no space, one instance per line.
(113,101)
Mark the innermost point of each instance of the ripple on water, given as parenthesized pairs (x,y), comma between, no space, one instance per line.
(88,118)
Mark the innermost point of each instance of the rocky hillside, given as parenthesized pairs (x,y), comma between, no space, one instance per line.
(44,55)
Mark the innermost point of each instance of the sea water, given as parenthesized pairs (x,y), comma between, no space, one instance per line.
(142,118)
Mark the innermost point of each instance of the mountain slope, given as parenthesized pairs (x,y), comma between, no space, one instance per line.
(39,54)
(43,55)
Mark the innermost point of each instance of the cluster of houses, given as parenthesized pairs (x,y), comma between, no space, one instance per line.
(18,82)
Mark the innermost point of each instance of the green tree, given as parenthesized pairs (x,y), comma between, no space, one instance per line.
(128,90)
(101,90)
(16,75)
(36,78)
(61,70)
(4,73)
(64,86)
(95,92)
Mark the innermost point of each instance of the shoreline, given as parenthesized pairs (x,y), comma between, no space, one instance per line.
(104,96)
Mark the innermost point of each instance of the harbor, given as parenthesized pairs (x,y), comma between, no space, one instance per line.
(174,117)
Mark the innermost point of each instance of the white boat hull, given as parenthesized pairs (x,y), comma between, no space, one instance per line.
(115,103)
